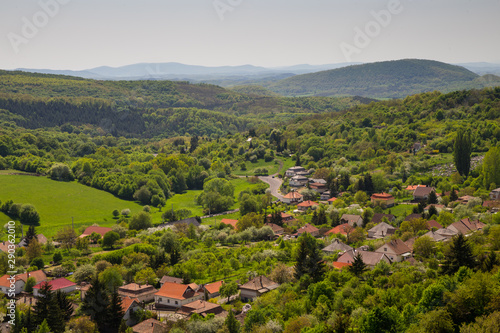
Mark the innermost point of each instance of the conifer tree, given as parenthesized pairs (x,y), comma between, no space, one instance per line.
(64,304)
(462,151)
(459,254)
(233,325)
(358,266)
(115,313)
(308,259)
(96,304)
(30,235)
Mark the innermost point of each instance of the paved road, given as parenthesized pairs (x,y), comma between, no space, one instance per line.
(274,185)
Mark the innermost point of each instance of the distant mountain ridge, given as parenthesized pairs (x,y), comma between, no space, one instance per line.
(169,70)
(387,79)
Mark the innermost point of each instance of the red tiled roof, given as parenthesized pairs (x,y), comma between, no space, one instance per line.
(100,230)
(229,222)
(176,290)
(340,265)
(293,195)
(341,229)
(332,199)
(307,203)
(276,228)
(413,187)
(127,303)
(39,276)
(56,284)
(382,196)
(213,287)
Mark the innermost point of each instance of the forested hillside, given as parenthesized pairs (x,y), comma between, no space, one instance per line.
(388,79)
(146,108)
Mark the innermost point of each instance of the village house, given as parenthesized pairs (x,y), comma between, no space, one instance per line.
(293,171)
(256,287)
(40,238)
(396,250)
(422,193)
(335,246)
(61,284)
(200,307)
(435,236)
(309,228)
(99,230)
(325,196)
(371,259)
(171,279)
(433,224)
(343,229)
(331,200)
(129,306)
(176,295)
(381,230)
(318,187)
(446,232)
(20,281)
(292,197)
(382,199)
(229,222)
(304,206)
(150,325)
(276,228)
(466,226)
(284,217)
(379,217)
(352,220)
(144,293)
(298,181)
(495,194)
(212,289)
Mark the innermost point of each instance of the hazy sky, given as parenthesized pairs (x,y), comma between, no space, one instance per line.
(80,34)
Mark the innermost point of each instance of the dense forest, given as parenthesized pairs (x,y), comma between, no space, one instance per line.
(388,79)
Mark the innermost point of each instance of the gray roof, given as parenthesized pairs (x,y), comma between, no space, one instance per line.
(435,236)
(381,230)
(337,245)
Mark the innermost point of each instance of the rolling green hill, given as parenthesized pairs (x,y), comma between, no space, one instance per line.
(145,108)
(388,79)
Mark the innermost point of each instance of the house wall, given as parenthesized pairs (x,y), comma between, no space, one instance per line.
(248,295)
(494,195)
(128,315)
(19,287)
(162,300)
(387,203)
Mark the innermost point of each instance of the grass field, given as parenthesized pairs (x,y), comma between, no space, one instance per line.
(272,167)
(58,202)
(400,210)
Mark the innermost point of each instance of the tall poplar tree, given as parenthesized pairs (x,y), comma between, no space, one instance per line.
(462,151)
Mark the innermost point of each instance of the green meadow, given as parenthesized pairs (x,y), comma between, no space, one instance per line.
(59,202)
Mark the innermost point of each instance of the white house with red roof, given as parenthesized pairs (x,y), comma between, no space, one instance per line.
(176,295)
(60,284)
(19,281)
(143,292)
(382,199)
(129,306)
(213,289)
(292,197)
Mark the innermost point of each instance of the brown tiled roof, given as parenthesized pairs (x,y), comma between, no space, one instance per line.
(167,278)
(213,287)
(422,191)
(176,291)
(369,258)
(398,246)
(433,224)
(199,306)
(307,203)
(149,326)
(293,195)
(413,216)
(276,228)
(260,283)
(382,229)
(350,218)
(337,245)
(377,217)
(307,228)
